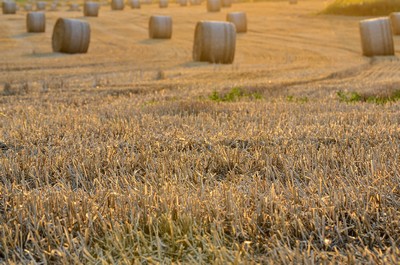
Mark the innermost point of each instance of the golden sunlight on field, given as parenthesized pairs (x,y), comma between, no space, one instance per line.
(137,150)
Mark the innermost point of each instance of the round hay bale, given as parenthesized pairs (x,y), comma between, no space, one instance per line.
(9,8)
(74,7)
(71,36)
(163,3)
(91,9)
(35,22)
(214,42)
(183,2)
(239,19)
(41,5)
(293,2)
(195,2)
(226,3)
(160,27)
(213,5)
(135,4)
(376,37)
(28,7)
(117,4)
(395,20)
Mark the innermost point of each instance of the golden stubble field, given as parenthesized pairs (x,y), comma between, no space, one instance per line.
(120,156)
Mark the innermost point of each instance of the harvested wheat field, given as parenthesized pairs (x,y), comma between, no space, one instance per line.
(132,153)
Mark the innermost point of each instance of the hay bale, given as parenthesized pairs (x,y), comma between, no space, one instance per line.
(214,42)
(183,2)
(195,2)
(239,19)
(117,4)
(53,7)
(91,9)
(226,3)
(376,37)
(293,2)
(160,27)
(9,8)
(135,4)
(71,36)
(213,5)
(395,20)
(35,22)
(28,7)
(74,7)
(163,3)
(41,5)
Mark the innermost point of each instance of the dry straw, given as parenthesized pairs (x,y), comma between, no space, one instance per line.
(395,20)
(9,7)
(91,9)
(195,2)
(239,19)
(135,4)
(160,27)
(117,4)
(214,42)
(293,2)
(376,37)
(35,22)
(163,3)
(41,5)
(71,36)
(213,5)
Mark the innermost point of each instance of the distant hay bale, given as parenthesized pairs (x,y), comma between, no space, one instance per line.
(71,36)
(91,9)
(41,5)
(376,37)
(117,4)
(183,2)
(395,20)
(135,4)
(213,5)
(226,3)
(160,27)
(293,2)
(163,3)
(195,2)
(214,42)
(239,19)
(53,7)
(74,7)
(9,8)
(35,22)
(28,7)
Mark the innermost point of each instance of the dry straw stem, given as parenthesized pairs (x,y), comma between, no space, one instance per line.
(117,4)
(41,5)
(35,22)
(163,3)
(376,37)
(239,19)
(214,42)
(91,9)
(160,27)
(213,5)
(395,20)
(135,4)
(9,8)
(71,36)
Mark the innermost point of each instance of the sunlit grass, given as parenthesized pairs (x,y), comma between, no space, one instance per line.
(362,7)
